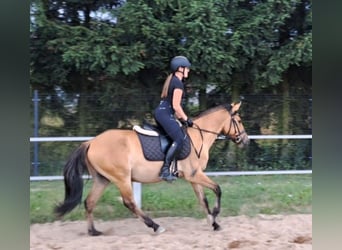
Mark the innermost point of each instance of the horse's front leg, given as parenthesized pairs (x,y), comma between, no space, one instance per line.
(197,182)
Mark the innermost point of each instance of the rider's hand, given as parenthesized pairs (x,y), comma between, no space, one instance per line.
(189,122)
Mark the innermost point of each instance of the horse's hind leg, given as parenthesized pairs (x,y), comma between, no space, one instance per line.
(197,183)
(99,185)
(128,200)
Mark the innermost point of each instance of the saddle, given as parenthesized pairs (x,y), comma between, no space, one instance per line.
(155,142)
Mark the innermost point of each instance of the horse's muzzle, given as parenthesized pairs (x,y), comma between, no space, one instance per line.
(242,140)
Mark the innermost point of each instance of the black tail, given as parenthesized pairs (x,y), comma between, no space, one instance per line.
(73,182)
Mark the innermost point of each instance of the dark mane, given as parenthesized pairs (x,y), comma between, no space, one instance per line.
(211,110)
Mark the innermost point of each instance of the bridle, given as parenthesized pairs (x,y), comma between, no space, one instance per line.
(238,133)
(233,124)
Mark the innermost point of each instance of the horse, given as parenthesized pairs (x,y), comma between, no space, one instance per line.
(116,156)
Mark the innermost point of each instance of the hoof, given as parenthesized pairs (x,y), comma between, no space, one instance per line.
(216,227)
(212,222)
(160,230)
(94,232)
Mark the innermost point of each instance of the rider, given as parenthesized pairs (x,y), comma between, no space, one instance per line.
(170,109)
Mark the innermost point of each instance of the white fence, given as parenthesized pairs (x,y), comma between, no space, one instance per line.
(86,138)
(137,187)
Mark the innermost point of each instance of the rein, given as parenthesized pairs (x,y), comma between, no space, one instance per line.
(198,153)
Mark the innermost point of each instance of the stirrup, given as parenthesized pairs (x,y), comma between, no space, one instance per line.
(168,178)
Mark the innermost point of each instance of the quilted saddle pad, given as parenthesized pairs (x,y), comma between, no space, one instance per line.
(152,147)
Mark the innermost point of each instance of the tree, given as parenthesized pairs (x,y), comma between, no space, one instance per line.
(273,42)
(74,51)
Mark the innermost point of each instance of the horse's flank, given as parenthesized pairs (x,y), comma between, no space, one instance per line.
(117,153)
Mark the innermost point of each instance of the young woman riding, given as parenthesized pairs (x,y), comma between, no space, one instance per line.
(170,109)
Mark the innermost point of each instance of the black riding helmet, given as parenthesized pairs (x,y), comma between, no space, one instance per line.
(179,61)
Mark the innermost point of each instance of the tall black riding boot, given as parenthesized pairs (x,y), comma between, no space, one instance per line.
(165,170)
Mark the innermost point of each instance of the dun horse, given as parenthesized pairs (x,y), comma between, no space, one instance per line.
(116,156)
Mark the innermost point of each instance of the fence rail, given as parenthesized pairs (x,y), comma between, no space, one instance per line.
(235,173)
(86,138)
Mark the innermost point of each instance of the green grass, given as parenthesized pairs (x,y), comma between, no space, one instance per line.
(241,195)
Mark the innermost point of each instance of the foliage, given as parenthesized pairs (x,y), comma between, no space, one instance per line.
(295,53)
(90,49)
(260,39)
(261,155)
(265,31)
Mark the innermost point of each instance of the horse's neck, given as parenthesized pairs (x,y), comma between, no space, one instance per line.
(213,122)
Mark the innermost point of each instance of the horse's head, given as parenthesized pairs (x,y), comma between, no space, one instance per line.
(235,129)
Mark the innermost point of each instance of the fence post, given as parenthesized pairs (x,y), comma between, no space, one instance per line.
(35,133)
(137,193)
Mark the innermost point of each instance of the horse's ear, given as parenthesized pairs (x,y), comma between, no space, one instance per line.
(235,107)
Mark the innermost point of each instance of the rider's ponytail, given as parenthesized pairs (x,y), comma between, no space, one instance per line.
(166,86)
